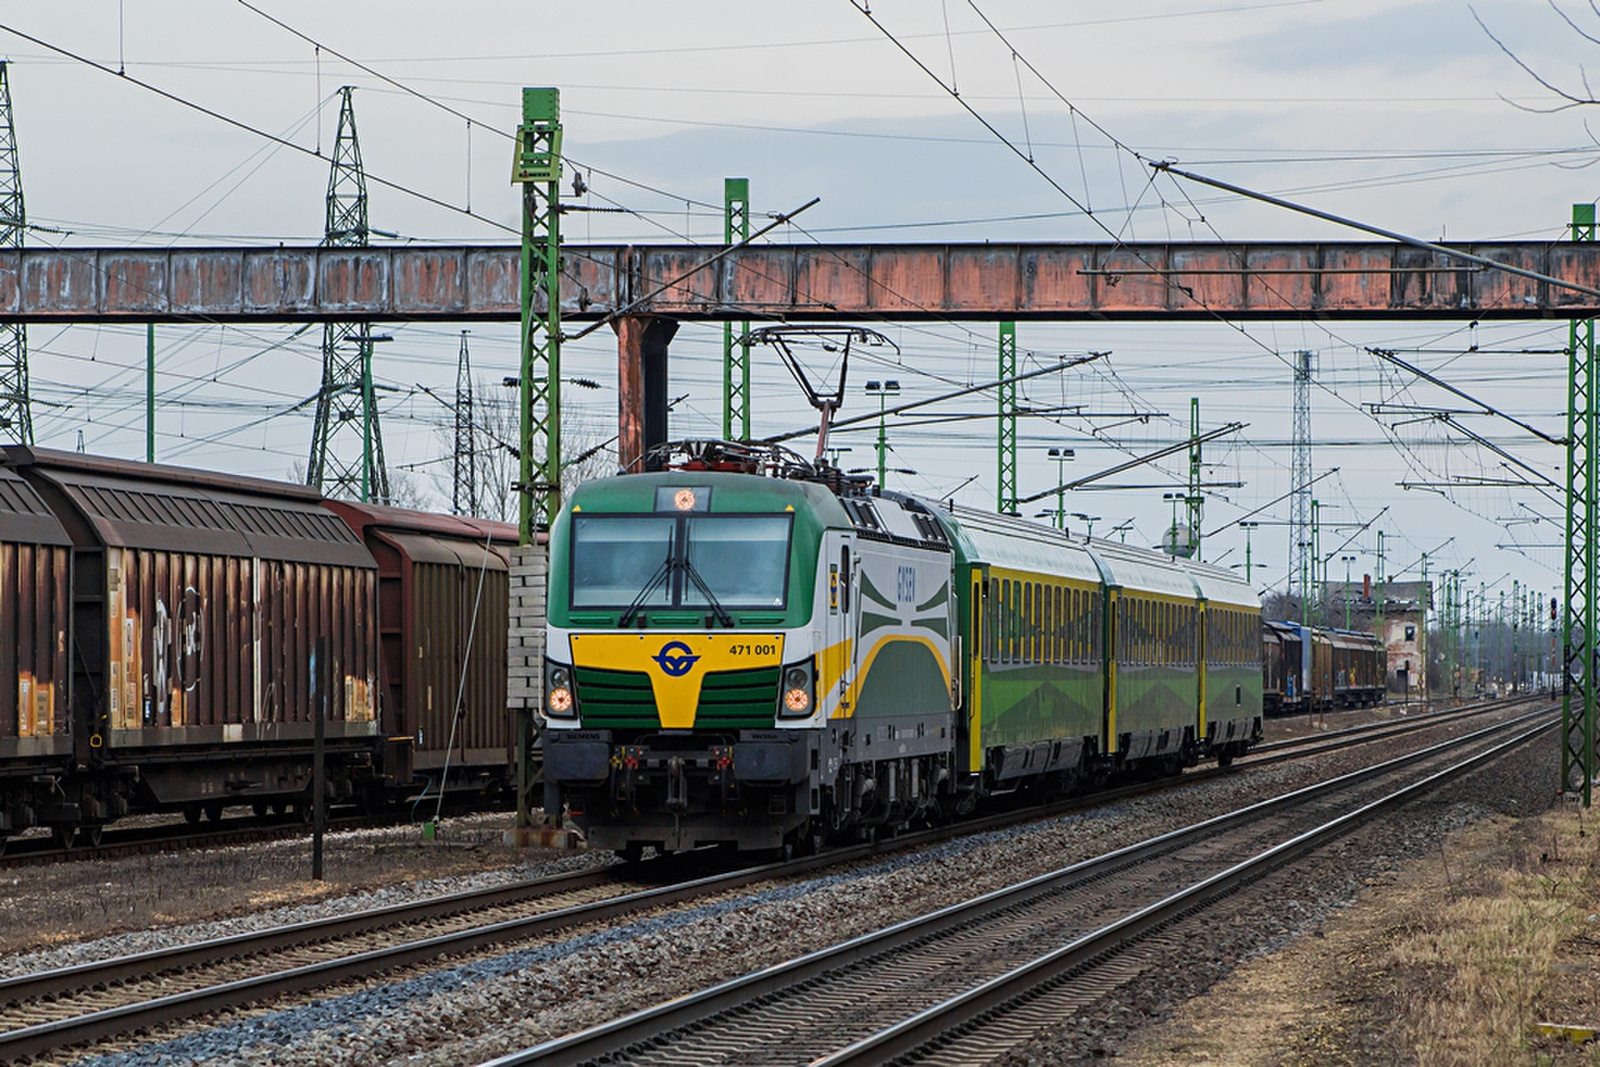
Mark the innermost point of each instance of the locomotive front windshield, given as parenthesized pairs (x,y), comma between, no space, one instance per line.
(665,561)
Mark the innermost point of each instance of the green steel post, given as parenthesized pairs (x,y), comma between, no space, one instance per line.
(883,441)
(1424,606)
(1379,596)
(537,168)
(150,392)
(736,357)
(1518,608)
(1194,500)
(1578,623)
(1315,587)
(1006,498)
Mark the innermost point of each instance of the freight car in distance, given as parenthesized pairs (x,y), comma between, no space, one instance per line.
(1313,669)
(164,621)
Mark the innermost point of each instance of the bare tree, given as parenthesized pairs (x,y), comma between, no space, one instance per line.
(497,431)
(1567,98)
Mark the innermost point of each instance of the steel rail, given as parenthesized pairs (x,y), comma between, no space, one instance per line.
(30,987)
(23,988)
(106,1023)
(998,993)
(1295,747)
(695,1009)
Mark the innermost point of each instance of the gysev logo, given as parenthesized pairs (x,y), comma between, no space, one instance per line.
(676,658)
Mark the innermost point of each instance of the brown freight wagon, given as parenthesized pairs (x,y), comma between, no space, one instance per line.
(443,609)
(35,632)
(198,598)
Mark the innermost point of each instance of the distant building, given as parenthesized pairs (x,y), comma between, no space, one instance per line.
(1405,609)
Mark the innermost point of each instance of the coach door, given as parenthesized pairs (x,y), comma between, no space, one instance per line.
(839,652)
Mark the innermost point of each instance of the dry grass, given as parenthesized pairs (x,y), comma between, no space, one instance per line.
(1450,963)
(1480,965)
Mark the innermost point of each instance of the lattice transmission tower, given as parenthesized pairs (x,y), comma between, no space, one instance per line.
(464,490)
(346,443)
(1302,571)
(16,414)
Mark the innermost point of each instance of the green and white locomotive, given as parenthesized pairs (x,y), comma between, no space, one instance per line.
(763,653)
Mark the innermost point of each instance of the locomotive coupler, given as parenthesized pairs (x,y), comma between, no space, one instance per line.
(677,785)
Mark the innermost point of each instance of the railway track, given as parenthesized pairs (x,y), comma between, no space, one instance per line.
(142,840)
(96,1001)
(962,984)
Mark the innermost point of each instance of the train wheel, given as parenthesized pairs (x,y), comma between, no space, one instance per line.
(191,814)
(632,853)
(1225,759)
(91,834)
(2,845)
(260,808)
(64,837)
(214,811)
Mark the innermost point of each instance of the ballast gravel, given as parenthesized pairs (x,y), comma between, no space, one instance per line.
(491,1003)
(363,855)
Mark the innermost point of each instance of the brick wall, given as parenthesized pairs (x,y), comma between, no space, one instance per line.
(525,654)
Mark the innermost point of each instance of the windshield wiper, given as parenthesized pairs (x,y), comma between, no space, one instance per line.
(705,591)
(649,587)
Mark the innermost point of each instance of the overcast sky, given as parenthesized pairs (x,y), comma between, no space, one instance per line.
(1402,114)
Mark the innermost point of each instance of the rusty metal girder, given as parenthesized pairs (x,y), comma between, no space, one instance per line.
(907,282)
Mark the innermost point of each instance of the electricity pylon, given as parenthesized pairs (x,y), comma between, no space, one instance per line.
(464,486)
(346,444)
(16,414)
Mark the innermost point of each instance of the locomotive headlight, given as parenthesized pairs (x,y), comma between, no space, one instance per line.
(558,699)
(797,691)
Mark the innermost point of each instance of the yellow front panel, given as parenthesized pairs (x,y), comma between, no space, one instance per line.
(677,663)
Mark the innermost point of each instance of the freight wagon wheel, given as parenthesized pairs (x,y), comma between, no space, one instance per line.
(91,834)
(64,836)
(214,811)
(1224,759)
(191,814)
(259,809)
(2,845)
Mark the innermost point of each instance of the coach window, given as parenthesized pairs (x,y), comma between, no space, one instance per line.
(1013,605)
(1058,636)
(1055,624)
(1147,630)
(1041,611)
(1138,636)
(1072,625)
(1035,622)
(1050,624)
(1052,612)
(1169,633)
(1149,633)
(1046,619)
(1080,626)
(1036,625)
